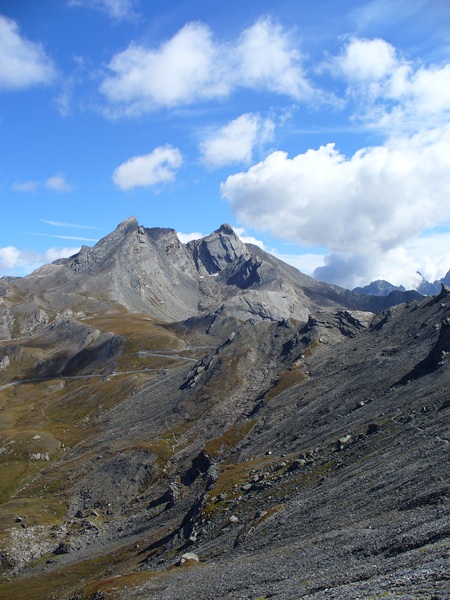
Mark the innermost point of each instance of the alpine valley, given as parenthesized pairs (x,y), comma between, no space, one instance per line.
(203,421)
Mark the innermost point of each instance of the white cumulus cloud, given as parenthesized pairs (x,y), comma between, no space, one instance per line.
(359,208)
(9,257)
(22,63)
(188,237)
(267,58)
(21,262)
(145,171)
(248,239)
(368,60)
(306,263)
(192,66)
(234,142)
(390,91)
(54,253)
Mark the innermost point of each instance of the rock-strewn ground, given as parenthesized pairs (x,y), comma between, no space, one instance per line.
(294,458)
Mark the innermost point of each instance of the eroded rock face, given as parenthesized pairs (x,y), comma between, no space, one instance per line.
(216,251)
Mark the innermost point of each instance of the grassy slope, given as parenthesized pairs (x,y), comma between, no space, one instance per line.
(41,421)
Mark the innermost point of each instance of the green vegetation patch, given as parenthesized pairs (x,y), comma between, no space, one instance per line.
(32,511)
(13,475)
(39,421)
(23,453)
(111,586)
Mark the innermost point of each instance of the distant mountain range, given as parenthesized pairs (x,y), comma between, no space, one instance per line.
(380,287)
(429,289)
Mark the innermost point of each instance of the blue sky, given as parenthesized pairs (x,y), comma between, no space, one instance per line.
(319,130)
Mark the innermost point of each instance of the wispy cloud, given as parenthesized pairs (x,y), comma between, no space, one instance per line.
(381,11)
(62,237)
(56,183)
(73,225)
(26,186)
(118,10)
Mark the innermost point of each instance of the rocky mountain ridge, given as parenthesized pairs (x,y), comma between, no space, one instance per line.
(204,421)
(380,287)
(150,270)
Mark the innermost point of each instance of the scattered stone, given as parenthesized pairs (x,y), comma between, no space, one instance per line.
(188,557)
(63,548)
(445,404)
(234,519)
(88,525)
(298,463)
(4,363)
(373,428)
(40,456)
(343,442)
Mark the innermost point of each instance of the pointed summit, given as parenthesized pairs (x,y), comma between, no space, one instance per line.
(217,250)
(226,229)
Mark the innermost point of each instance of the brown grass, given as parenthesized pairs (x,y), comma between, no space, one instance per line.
(228,439)
(287,379)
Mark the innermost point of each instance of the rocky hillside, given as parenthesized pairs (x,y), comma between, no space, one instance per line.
(204,421)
